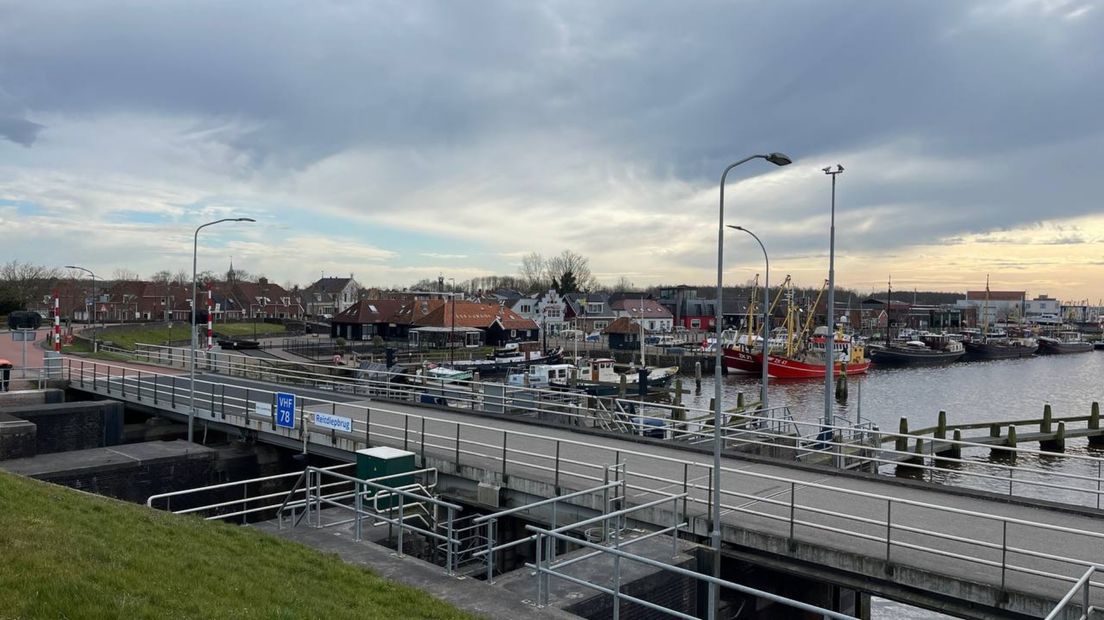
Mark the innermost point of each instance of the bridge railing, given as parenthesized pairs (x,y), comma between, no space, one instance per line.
(902,525)
(1084,478)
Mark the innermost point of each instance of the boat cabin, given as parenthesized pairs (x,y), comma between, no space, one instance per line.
(541,375)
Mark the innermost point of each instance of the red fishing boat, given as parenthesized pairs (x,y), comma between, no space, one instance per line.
(798,356)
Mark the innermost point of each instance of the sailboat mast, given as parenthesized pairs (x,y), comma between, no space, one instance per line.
(642,362)
(889,304)
(985,312)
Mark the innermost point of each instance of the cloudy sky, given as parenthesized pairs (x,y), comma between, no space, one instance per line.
(406,139)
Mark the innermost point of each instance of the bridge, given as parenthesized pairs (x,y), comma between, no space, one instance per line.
(970,553)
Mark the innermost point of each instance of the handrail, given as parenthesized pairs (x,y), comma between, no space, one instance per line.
(1081,585)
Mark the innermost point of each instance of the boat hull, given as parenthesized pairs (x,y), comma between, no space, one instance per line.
(977,351)
(890,356)
(1063,348)
(779,367)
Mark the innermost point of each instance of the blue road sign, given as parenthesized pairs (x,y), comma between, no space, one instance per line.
(285,410)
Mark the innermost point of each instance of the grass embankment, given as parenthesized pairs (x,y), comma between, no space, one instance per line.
(71,555)
(127,337)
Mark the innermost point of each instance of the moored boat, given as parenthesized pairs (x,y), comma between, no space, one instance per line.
(1066,342)
(932,351)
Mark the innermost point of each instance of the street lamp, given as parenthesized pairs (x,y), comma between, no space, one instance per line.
(766,315)
(777,159)
(452,322)
(192,349)
(89,272)
(830,341)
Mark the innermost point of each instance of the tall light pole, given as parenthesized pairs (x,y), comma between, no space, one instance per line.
(766,317)
(452,322)
(777,159)
(192,348)
(830,341)
(89,272)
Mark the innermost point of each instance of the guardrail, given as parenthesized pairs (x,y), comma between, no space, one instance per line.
(492,448)
(845,446)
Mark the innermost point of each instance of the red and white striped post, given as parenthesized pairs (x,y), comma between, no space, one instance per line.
(57,322)
(210,319)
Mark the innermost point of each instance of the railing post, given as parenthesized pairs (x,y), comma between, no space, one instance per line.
(82,379)
(139,386)
(449,556)
(1010,469)
(685,485)
(1004,551)
(318,498)
(1098,462)
(122,383)
(793,502)
(402,522)
(556,484)
(457,446)
(889,520)
(367,425)
(172,394)
(109,379)
(616,578)
(504,436)
(358,503)
(540,570)
(94,378)
(605,504)
(406,430)
(155,388)
(674,528)
(222,402)
(423,443)
(490,549)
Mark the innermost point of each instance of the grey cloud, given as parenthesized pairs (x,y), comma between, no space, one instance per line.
(19,131)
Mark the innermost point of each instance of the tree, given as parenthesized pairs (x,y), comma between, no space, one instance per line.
(577,265)
(533,272)
(23,283)
(123,274)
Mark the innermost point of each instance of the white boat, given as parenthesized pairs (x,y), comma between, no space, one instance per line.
(540,375)
(446,375)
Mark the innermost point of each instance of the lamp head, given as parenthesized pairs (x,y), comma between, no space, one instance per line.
(71,267)
(778,159)
(735,227)
(244,219)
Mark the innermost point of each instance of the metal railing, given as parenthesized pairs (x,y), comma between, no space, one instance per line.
(496,451)
(386,504)
(490,521)
(547,565)
(1063,610)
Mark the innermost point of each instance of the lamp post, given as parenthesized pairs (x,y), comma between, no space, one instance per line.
(192,348)
(452,322)
(777,159)
(89,272)
(766,317)
(830,340)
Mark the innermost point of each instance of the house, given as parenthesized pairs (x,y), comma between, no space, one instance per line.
(624,333)
(654,316)
(496,325)
(328,297)
(255,300)
(368,318)
(588,312)
(687,309)
(551,313)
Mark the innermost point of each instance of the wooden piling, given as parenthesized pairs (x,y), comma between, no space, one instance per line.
(1058,442)
(902,439)
(622,388)
(941,426)
(994,430)
(841,387)
(739,401)
(1045,427)
(697,377)
(955,450)
(1097,441)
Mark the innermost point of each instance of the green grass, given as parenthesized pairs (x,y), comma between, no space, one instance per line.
(127,337)
(71,555)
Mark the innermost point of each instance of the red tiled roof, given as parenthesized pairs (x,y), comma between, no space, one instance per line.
(472,314)
(651,308)
(623,325)
(371,311)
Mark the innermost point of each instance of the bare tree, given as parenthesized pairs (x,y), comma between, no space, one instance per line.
(23,283)
(573,267)
(181,277)
(123,274)
(161,277)
(623,284)
(533,272)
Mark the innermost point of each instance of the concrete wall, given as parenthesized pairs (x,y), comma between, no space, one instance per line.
(131,473)
(61,427)
(17,437)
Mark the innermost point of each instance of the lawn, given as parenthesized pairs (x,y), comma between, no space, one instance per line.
(127,337)
(72,555)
